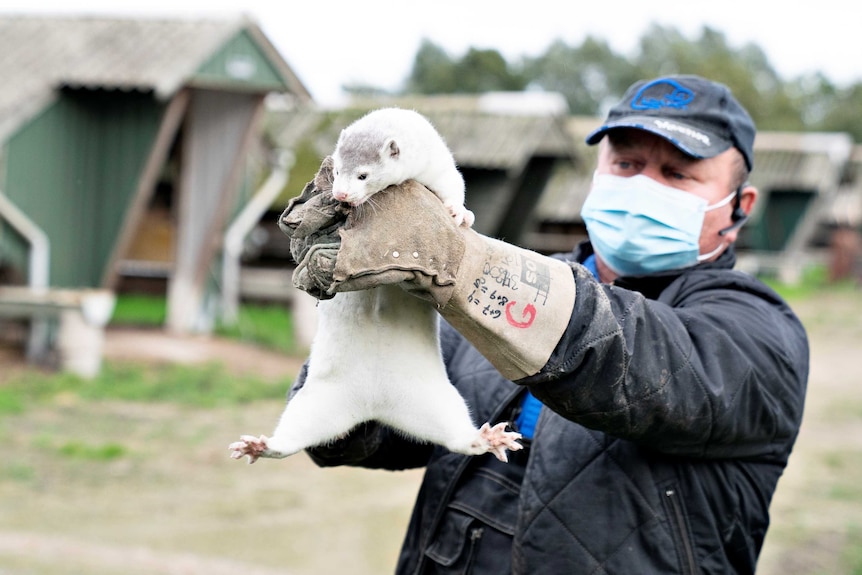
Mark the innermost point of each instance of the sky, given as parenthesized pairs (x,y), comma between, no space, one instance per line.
(329,43)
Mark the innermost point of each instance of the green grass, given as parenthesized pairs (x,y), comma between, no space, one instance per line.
(270,326)
(198,386)
(140,310)
(813,283)
(81,450)
(851,555)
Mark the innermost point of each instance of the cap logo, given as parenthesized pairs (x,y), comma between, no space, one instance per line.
(664,93)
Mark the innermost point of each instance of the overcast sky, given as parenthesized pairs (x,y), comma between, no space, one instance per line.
(332,42)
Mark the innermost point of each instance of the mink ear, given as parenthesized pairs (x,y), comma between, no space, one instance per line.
(391,148)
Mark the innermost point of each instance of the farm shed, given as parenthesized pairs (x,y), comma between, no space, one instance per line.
(125,146)
(799,176)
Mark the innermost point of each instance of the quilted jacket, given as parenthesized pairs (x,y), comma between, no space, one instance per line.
(671,405)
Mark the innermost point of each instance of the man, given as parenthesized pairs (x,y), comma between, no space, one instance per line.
(659,391)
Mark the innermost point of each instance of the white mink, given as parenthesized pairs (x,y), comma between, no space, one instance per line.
(389,146)
(376,355)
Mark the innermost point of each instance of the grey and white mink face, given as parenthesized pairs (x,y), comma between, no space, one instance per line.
(360,168)
(355,184)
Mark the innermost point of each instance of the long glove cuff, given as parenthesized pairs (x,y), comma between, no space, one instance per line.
(512,304)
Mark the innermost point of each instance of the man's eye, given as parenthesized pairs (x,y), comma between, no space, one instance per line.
(362,176)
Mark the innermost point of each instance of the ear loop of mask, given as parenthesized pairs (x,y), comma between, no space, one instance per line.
(739,217)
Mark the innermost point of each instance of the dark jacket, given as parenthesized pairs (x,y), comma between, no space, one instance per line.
(672,403)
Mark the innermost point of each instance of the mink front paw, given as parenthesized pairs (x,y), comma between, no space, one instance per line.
(248,446)
(460,214)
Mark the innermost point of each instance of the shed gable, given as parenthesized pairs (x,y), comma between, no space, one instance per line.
(239,63)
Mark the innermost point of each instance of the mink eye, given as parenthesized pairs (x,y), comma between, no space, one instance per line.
(361,176)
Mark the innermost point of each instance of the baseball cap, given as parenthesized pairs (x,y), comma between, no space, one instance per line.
(698,116)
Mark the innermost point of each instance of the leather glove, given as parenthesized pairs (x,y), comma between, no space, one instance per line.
(512,304)
(312,221)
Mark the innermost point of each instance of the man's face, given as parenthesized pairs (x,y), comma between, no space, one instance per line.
(629,152)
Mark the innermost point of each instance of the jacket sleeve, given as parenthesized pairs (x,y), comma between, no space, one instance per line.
(713,368)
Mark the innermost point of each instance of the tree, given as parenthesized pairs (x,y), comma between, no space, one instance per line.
(485,71)
(746,70)
(589,76)
(433,71)
(845,112)
(592,77)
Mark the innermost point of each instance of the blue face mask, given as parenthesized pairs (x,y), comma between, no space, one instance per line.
(639,226)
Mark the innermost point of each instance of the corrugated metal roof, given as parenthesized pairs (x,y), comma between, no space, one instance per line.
(40,54)
(477,139)
(800,161)
(499,141)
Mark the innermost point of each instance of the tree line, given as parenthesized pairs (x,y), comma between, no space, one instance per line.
(591,77)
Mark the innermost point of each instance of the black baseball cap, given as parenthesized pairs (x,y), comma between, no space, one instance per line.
(698,116)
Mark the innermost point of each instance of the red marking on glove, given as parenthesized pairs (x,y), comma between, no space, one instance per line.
(529,313)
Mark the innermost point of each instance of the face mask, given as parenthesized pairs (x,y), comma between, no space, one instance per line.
(639,226)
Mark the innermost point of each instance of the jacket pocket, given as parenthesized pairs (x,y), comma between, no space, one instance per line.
(477,527)
(678,522)
(456,542)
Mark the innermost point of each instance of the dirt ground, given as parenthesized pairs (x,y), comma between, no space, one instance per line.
(176,504)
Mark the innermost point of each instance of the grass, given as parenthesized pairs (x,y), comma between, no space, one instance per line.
(814,283)
(82,450)
(197,386)
(852,554)
(139,310)
(270,326)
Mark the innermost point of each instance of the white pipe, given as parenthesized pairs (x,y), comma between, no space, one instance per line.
(247,219)
(40,247)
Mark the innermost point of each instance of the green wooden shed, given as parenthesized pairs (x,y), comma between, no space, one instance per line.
(124,147)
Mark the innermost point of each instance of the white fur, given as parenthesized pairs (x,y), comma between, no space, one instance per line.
(389,146)
(377,357)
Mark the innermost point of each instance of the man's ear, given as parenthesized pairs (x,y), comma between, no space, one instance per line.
(748,199)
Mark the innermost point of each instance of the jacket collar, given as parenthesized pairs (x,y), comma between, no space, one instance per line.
(652,285)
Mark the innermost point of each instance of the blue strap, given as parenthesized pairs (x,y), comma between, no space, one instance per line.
(590,264)
(526,420)
(529,416)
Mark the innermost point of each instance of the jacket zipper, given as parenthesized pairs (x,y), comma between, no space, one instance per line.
(475,535)
(679,518)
